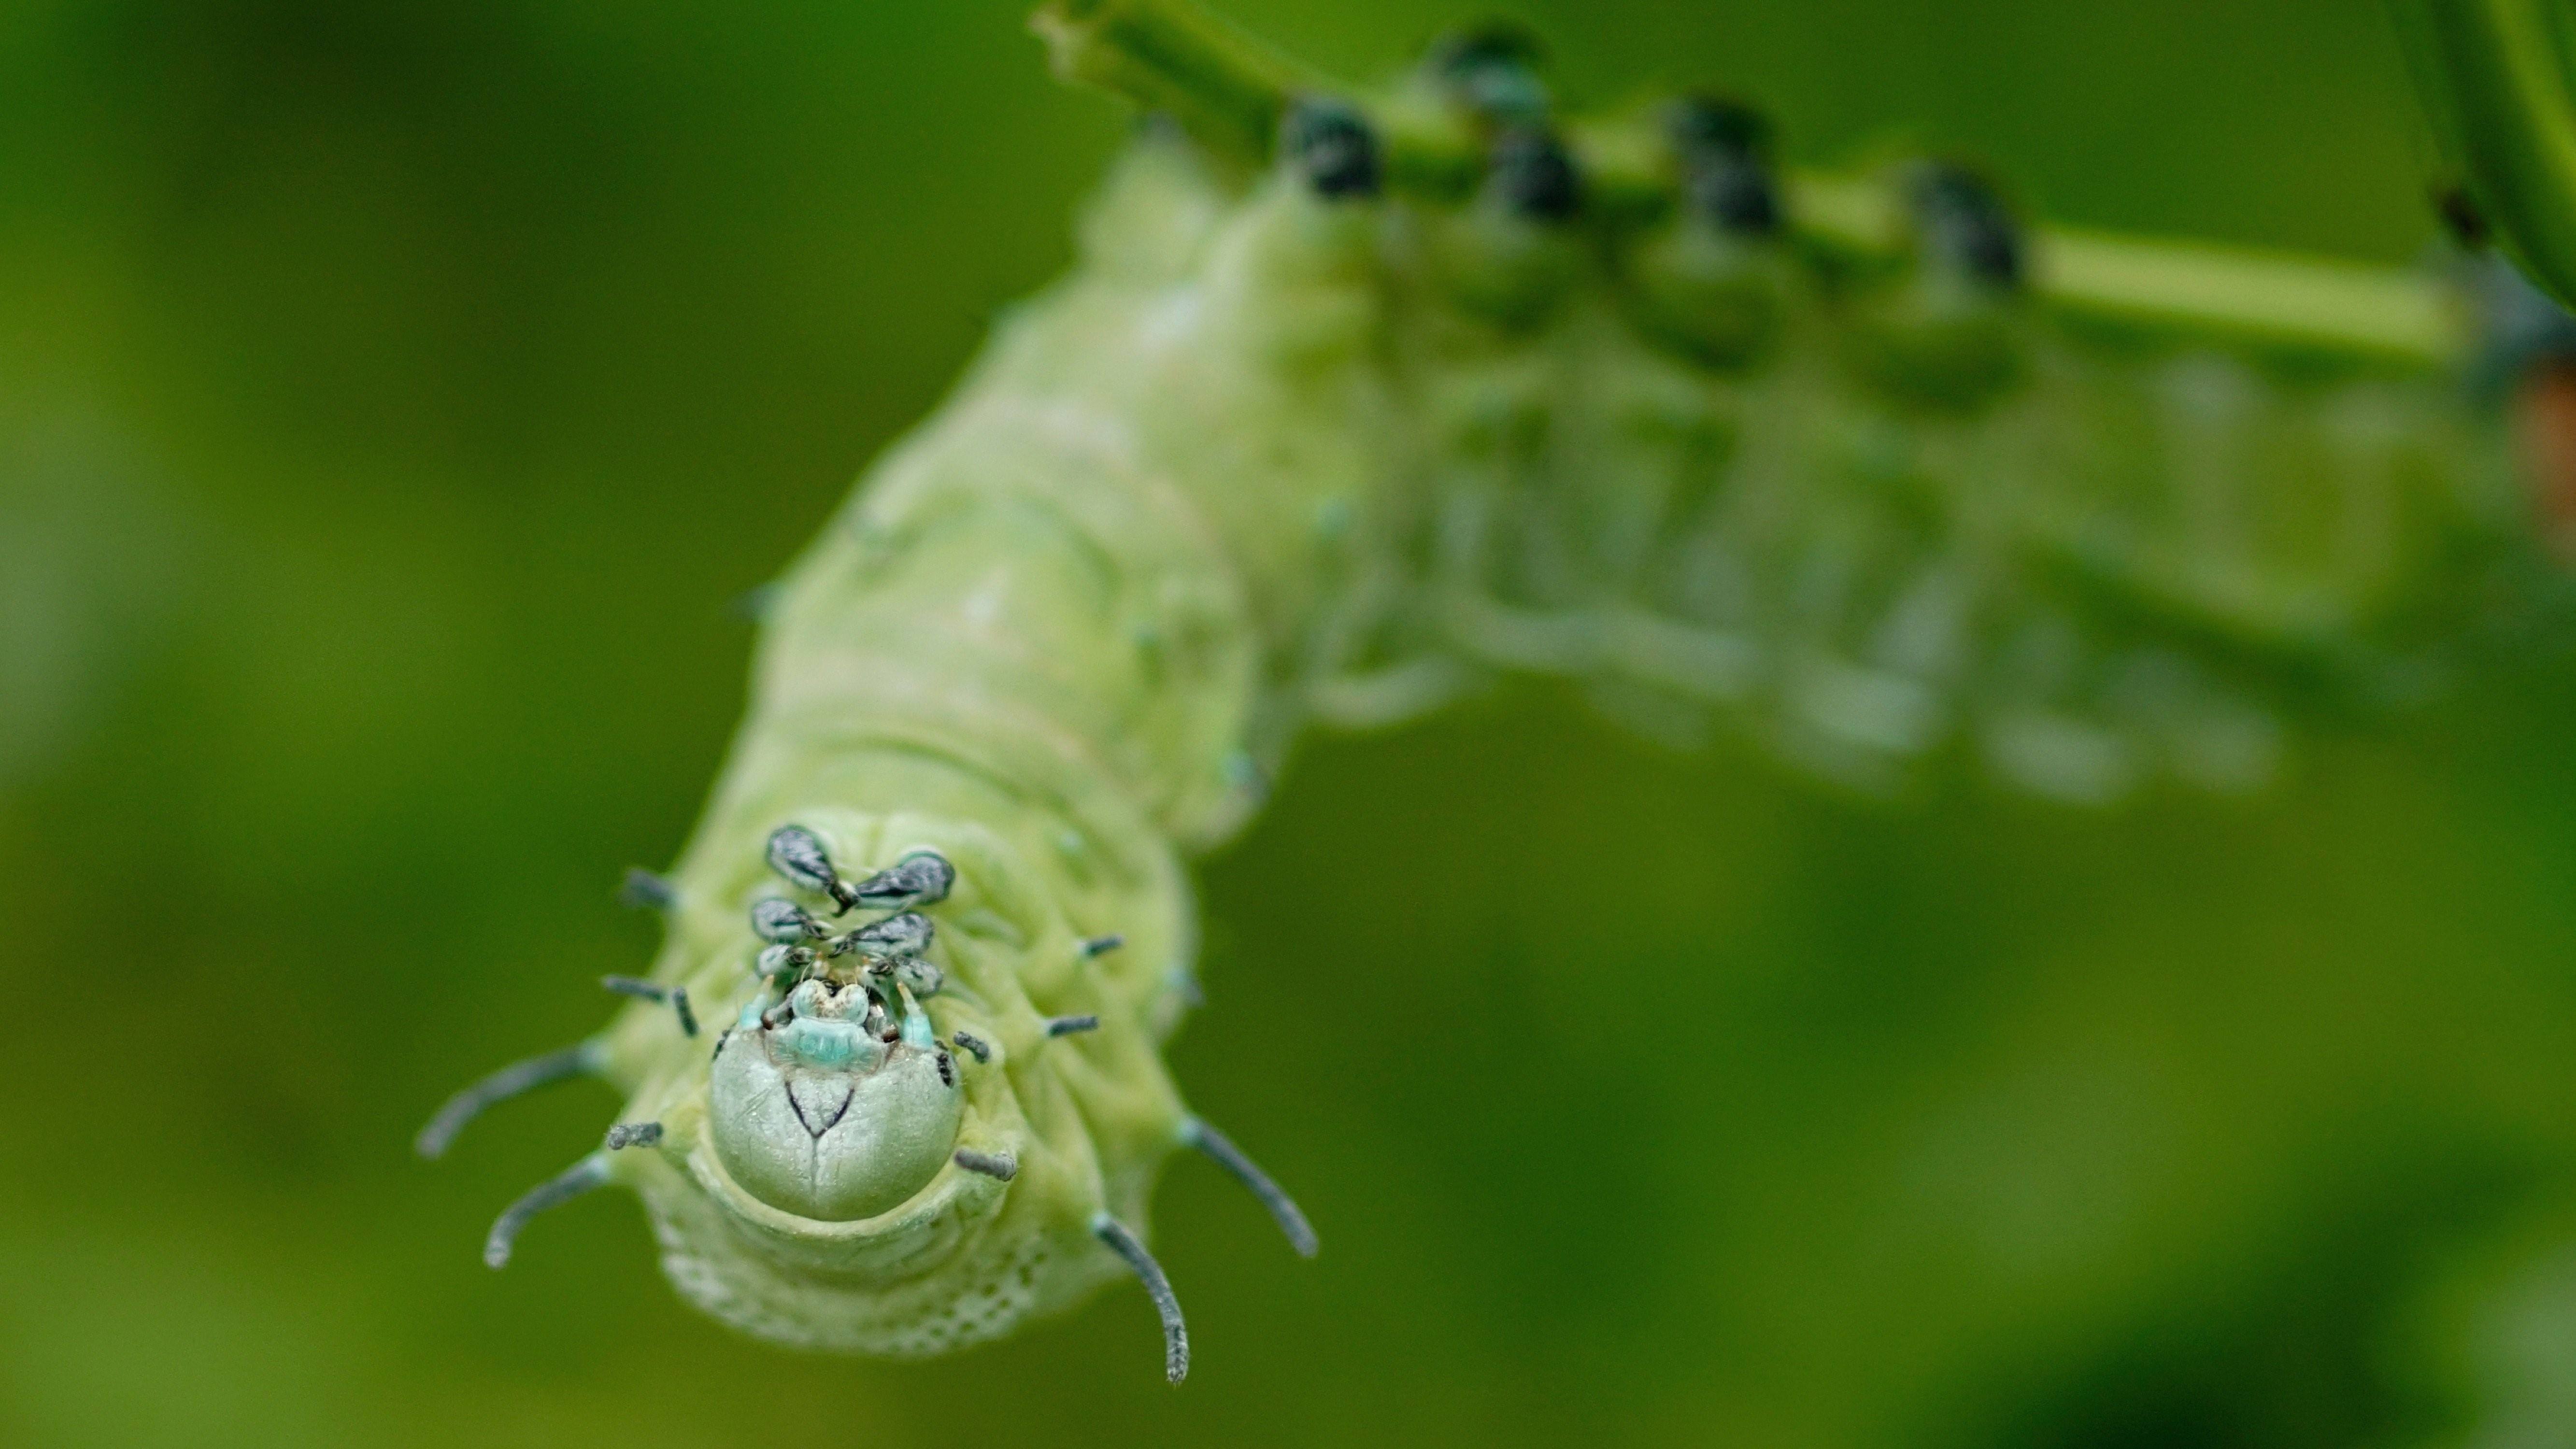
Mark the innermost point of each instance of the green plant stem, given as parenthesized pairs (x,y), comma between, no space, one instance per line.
(1166,55)
(2265,296)
(1221,85)
(2495,80)
(2383,314)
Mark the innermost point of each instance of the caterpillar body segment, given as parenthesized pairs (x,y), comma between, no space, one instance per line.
(1350,405)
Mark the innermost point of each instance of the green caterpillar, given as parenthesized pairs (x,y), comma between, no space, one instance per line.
(1350,405)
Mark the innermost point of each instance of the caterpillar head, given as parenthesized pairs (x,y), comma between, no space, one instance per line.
(833,1113)
(831,1098)
(896,1145)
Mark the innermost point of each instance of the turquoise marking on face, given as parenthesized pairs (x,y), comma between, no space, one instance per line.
(827,1045)
(821,1119)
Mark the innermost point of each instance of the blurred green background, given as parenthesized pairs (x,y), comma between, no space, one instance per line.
(394,398)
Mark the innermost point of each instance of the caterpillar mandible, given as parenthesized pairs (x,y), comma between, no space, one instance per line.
(1350,404)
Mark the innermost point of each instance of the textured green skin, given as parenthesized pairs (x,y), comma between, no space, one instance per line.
(1037,641)
(1210,487)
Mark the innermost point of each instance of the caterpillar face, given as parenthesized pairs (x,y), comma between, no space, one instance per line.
(829,1114)
(838,1101)
(858,1162)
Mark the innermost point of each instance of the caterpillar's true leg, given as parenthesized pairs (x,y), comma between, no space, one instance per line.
(798,854)
(905,934)
(922,878)
(1690,659)
(1176,1333)
(1001,1165)
(782,965)
(645,891)
(1220,1149)
(588,1059)
(754,605)
(591,1172)
(785,922)
(1102,945)
(1568,643)
(677,997)
(973,1045)
(1068,1025)
(634,1134)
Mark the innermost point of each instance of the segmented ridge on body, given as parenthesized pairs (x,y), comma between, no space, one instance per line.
(1849,483)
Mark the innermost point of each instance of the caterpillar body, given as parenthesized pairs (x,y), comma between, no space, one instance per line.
(1333,430)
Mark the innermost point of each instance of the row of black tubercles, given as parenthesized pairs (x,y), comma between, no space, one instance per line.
(1722,149)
